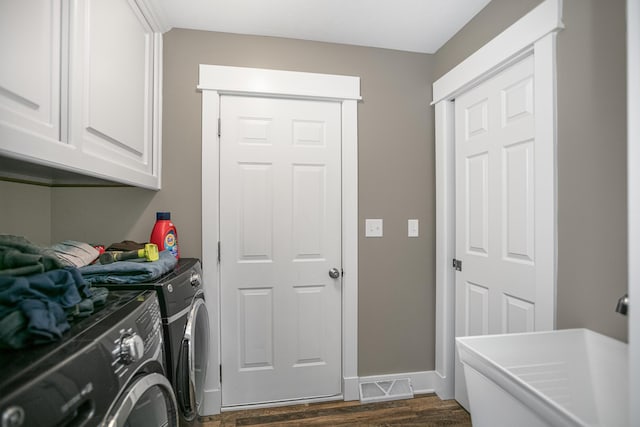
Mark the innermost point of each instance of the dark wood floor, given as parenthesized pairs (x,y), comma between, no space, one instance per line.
(424,410)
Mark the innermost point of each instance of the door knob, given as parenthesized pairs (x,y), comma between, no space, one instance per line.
(334,273)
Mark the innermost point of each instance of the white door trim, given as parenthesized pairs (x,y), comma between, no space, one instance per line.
(500,52)
(217,80)
(633,188)
(535,32)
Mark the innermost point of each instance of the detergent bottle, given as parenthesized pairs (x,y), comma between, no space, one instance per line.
(164,234)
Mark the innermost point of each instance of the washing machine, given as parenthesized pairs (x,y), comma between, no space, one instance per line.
(185,323)
(106,371)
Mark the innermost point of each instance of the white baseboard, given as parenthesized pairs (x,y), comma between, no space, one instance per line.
(444,387)
(213,399)
(212,402)
(351,388)
(281,403)
(422,382)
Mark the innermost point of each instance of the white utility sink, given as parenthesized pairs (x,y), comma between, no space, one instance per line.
(573,377)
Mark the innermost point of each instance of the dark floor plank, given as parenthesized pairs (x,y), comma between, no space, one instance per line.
(424,410)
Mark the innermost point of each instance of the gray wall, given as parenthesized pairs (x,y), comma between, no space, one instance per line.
(396,159)
(592,207)
(105,215)
(396,175)
(25,210)
(496,17)
(592,231)
(396,320)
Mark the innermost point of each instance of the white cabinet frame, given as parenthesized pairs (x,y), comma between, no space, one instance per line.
(66,145)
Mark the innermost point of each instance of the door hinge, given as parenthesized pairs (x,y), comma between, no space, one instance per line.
(219,256)
(457,264)
(219,127)
(220,373)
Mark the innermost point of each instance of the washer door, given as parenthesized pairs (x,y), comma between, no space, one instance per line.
(148,402)
(193,360)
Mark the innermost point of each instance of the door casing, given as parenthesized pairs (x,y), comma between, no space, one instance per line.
(280,229)
(217,80)
(535,32)
(633,188)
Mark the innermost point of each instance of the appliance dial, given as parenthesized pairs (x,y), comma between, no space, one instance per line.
(13,416)
(131,348)
(196,279)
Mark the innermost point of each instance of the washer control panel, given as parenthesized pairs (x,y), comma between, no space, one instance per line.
(131,348)
(137,340)
(195,279)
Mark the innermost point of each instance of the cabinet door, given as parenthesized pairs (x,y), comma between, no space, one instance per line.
(112,87)
(30,71)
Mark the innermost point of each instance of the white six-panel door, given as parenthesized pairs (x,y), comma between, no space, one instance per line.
(280,236)
(496,224)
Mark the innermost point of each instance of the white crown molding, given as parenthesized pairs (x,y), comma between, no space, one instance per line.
(155,15)
(259,81)
(513,42)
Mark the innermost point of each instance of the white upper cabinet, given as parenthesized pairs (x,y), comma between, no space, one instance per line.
(80,88)
(30,72)
(111,86)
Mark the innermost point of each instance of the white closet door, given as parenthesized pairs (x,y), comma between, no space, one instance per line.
(499,235)
(280,229)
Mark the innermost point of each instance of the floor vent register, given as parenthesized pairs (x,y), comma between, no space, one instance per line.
(379,391)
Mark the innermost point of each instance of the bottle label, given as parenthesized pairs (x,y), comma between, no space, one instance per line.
(171,244)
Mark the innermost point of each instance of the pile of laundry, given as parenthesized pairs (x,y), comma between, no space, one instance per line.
(42,290)
(129,271)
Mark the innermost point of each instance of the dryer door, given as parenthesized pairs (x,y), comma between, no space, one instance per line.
(148,402)
(193,359)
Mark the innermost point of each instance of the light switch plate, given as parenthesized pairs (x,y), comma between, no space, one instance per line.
(372,228)
(413,228)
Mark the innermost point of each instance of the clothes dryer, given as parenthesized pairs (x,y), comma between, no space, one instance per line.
(106,371)
(185,323)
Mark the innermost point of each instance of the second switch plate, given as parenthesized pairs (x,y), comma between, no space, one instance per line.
(413,228)
(372,228)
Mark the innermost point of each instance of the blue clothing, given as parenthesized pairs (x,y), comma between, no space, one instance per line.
(35,309)
(47,320)
(129,271)
(20,257)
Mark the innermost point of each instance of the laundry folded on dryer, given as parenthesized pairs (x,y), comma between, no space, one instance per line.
(129,271)
(74,253)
